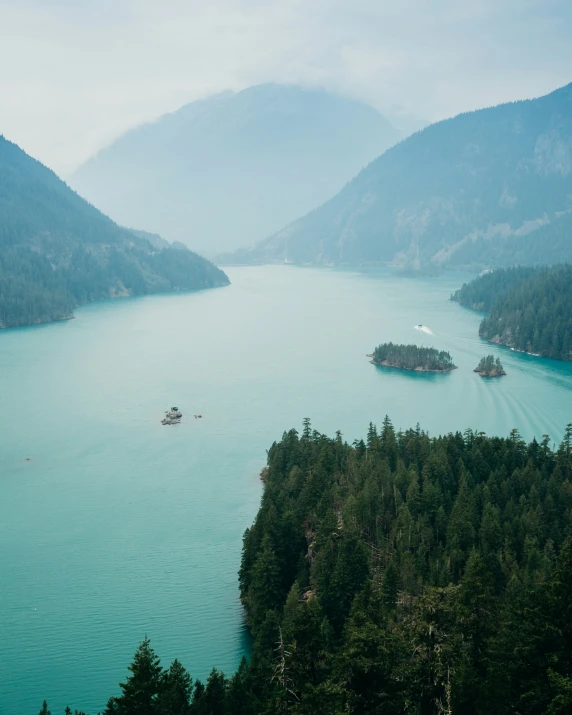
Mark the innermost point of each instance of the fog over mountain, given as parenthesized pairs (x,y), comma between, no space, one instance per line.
(227,171)
(486,188)
(82,73)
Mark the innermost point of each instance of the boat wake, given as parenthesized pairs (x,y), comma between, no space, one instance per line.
(423,329)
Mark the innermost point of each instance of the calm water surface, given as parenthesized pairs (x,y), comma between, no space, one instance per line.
(119,527)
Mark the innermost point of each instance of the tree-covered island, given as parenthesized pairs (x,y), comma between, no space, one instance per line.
(489,367)
(412,357)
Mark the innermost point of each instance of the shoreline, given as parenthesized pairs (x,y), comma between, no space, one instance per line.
(113,298)
(37,323)
(496,340)
(412,369)
(489,375)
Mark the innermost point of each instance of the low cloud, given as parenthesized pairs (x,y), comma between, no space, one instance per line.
(77,73)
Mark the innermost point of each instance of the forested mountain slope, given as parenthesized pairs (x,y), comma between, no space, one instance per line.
(529,309)
(227,171)
(468,191)
(57,250)
(401,574)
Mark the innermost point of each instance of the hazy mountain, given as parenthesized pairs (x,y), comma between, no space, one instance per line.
(548,244)
(226,171)
(483,188)
(57,250)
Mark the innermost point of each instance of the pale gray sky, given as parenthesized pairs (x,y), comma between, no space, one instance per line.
(77,73)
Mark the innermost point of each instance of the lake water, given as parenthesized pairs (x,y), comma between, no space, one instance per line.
(119,527)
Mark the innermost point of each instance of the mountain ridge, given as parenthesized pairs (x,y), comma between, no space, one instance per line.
(271,152)
(457,188)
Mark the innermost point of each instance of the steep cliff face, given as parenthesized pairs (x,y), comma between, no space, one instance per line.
(472,190)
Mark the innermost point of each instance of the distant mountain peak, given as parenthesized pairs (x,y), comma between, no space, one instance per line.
(229,169)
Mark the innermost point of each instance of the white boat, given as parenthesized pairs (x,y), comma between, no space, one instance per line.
(423,328)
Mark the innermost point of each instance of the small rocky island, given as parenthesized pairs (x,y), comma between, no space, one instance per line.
(172,416)
(412,357)
(489,367)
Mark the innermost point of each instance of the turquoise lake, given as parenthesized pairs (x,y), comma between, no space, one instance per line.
(118,527)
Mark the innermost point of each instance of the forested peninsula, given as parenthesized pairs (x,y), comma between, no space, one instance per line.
(412,357)
(529,309)
(57,251)
(401,573)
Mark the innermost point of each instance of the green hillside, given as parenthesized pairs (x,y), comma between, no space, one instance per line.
(58,251)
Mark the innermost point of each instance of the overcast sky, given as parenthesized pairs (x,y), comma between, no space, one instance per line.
(75,74)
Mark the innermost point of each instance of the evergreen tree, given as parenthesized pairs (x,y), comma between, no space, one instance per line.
(198,704)
(476,614)
(240,699)
(350,572)
(175,691)
(214,696)
(265,588)
(141,689)
(564,454)
(112,707)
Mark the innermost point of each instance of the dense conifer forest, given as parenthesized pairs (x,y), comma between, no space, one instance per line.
(529,309)
(482,292)
(400,574)
(412,357)
(57,251)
